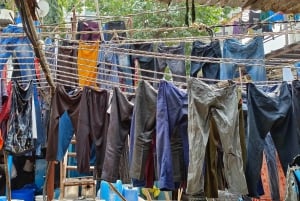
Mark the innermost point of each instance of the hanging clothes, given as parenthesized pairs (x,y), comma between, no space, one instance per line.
(66,64)
(177,67)
(269,110)
(92,127)
(253,49)
(91,28)
(23,51)
(148,65)
(87,63)
(209,70)
(19,138)
(171,136)
(142,136)
(220,105)
(117,138)
(108,69)
(61,101)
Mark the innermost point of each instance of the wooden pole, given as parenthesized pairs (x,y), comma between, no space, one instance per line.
(38,48)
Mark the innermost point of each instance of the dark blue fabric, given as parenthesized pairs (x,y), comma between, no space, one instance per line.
(209,70)
(41,137)
(171,135)
(269,110)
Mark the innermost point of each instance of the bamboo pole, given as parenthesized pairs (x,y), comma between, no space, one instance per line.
(38,48)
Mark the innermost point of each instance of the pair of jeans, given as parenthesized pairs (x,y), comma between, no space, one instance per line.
(92,129)
(88,26)
(238,54)
(108,70)
(114,25)
(171,135)
(212,104)
(143,129)
(126,73)
(177,67)
(269,110)
(23,51)
(201,49)
(147,63)
(117,134)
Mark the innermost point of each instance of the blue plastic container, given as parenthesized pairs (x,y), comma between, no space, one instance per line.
(107,194)
(3,198)
(26,194)
(130,193)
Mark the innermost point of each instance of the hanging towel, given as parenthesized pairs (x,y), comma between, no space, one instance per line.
(87,63)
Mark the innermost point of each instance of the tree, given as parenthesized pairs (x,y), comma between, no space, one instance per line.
(172,15)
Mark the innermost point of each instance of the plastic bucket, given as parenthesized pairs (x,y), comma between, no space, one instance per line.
(26,194)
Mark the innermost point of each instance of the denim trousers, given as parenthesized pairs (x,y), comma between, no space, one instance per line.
(108,70)
(212,104)
(23,52)
(117,134)
(146,63)
(177,67)
(292,192)
(126,73)
(269,110)
(114,25)
(239,53)
(201,49)
(144,126)
(171,135)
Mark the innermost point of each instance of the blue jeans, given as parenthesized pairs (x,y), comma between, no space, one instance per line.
(171,135)
(23,50)
(65,134)
(233,49)
(146,63)
(177,67)
(209,70)
(125,71)
(108,71)
(269,110)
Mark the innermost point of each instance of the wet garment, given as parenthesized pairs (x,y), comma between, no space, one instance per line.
(142,132)
(61,102)
(87,63)
(117,135)
(19,135)
(270,109)
(91,129)
(66,63)
(207,105)
(171,135)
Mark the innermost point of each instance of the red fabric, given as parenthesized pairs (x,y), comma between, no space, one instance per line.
(4,115)
(37,68)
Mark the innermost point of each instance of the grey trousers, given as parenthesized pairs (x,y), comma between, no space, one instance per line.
(209,103)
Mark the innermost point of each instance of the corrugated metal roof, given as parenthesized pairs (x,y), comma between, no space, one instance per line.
(285,6)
